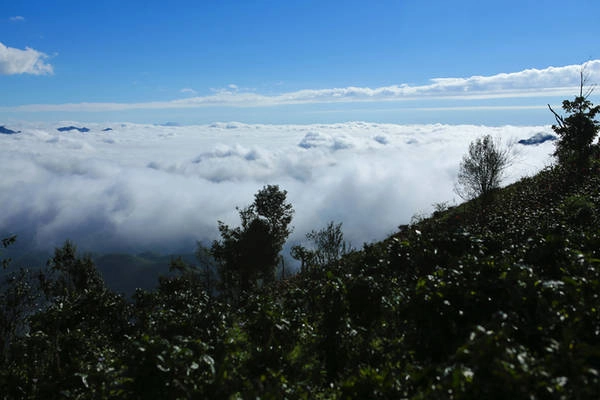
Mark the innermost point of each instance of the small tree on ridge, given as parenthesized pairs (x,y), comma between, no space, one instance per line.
(250,252)
(577,130)
(482,168)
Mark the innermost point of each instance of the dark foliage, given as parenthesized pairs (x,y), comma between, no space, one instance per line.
(327,246)
(249,254)
(576,131)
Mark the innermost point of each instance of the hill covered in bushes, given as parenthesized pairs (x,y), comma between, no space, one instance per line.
(491,300)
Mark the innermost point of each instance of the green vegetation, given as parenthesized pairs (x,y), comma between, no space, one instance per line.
(328,246)
(577,130)
(481,169)
(249,254)
(454,306)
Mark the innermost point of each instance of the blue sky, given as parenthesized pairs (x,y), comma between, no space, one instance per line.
(293,61)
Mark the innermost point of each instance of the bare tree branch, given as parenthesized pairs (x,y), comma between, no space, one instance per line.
(559,120)
(583,82)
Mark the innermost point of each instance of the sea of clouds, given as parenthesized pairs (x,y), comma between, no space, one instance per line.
(161,188)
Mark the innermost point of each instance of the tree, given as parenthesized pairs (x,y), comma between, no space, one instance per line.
(250,253)
(70,275)
(208,267)
(73,334)
(482,168)
(18,297)
(328,246)
(5,243)
(577,130)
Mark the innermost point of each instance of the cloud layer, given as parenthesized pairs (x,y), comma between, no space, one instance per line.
(29,61)
(551,81)
(161,188)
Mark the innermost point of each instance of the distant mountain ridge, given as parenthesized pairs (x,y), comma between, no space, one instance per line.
(538,138)
(7,131)
(72,128)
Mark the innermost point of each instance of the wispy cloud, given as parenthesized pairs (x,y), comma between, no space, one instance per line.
(17,18)
(551,81)
(29,61)
(189,91)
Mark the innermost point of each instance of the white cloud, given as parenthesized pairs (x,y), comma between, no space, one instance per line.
(551,81)
(17,18)
(29,61)
(147,187)
(188,91)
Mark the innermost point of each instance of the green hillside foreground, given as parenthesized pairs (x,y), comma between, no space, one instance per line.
(496,298)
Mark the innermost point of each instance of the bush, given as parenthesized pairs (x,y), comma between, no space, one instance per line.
(482,169)
(579,209)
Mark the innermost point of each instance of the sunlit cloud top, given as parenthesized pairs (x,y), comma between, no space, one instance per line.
(136,187)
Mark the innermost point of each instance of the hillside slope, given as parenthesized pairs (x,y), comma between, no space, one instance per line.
(487,300)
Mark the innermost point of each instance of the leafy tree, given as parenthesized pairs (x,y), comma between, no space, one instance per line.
(328,246)
(70,347)
(71,275)
(18,297)
(250,253)
(207,267)
(270,205)
(577,130)
(481,169)
(5,243)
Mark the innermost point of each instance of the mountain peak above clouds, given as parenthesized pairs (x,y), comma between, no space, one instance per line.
(72,128)
(7,131)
